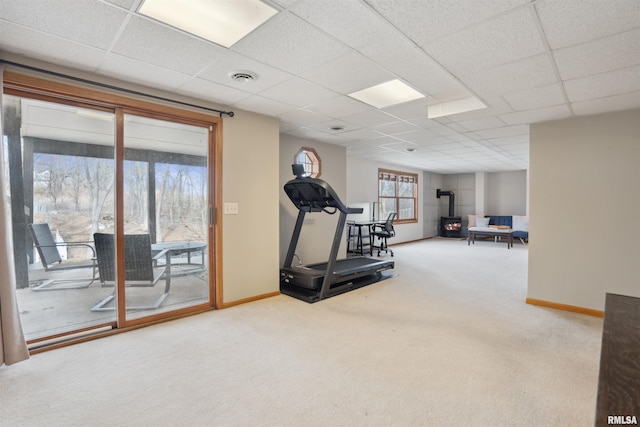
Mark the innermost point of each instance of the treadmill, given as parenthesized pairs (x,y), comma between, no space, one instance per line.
(315,282)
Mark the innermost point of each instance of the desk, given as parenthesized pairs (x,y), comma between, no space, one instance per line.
(361,240)
(176,249)
(491,232)
(619,377)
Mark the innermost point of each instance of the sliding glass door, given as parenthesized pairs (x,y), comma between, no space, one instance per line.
(61,175)
(166,197)
(112,214)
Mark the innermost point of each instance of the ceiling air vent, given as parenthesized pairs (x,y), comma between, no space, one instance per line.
(243,76)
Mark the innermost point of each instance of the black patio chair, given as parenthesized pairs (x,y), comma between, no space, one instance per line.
(140,267)
(51,260)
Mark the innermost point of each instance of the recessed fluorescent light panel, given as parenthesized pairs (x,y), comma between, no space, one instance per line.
(221,21)
(386,94)
(454,107)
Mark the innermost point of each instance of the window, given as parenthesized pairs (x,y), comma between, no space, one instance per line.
(397,192)
(311,161)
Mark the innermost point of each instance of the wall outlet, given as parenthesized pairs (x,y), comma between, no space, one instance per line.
(230,208)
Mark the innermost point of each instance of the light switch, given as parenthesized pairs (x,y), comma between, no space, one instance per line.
(230,208)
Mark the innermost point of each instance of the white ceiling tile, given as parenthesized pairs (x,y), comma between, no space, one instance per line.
(362,150)
(225,62)
(411,109)
(338,107)
(503,39)
(504,131)
(126,4)
(516,76)
(284,4)
(262,105)
(570,22)
(463,139)
(603,85)
(520,148)
(427,152)
(425,21)
(357,143)
(327,128)
(482,123)
(372,117)
(510,140)
(273,44)
(423,121)
(607,54)
(495,105)
(432,141)
(87,22)
(204,89)
(627,101)
(537,97)
(419,135)
(331,139)
(456,127)
(349,73)
(297,91)
(534,116)
(23,41)
(170,49)
(442,130)
(385,140)
(143,73)
(449,146)
(430,78)
(349,21)
(306,133)
(395,128)
(122,3)
(401,146)
(362,134)
(303,117)
(403,58)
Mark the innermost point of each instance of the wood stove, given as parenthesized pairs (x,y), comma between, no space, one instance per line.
(450,226)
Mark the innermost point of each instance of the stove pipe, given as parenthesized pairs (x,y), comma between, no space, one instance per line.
(452,198)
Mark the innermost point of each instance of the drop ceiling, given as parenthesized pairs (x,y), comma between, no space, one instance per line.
(527,60)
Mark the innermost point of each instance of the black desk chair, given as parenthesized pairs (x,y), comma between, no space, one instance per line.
(383,232)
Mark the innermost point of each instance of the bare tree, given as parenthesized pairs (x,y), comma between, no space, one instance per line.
(77,183)
(137,192)
(99,175)
(161,200)
(52,173)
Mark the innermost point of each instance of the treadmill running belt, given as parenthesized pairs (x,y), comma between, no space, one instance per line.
(346,264)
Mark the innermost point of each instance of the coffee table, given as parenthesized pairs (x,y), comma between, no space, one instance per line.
(490,232)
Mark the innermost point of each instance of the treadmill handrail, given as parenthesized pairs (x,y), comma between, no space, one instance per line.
(315,195)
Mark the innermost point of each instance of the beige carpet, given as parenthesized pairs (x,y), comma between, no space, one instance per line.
(448,342)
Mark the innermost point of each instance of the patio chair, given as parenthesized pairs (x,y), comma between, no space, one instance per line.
(140,267)
(51,260)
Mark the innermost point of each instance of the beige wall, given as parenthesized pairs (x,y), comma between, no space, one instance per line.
(506,193)
(584,178)
(431,209)
(250,168)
